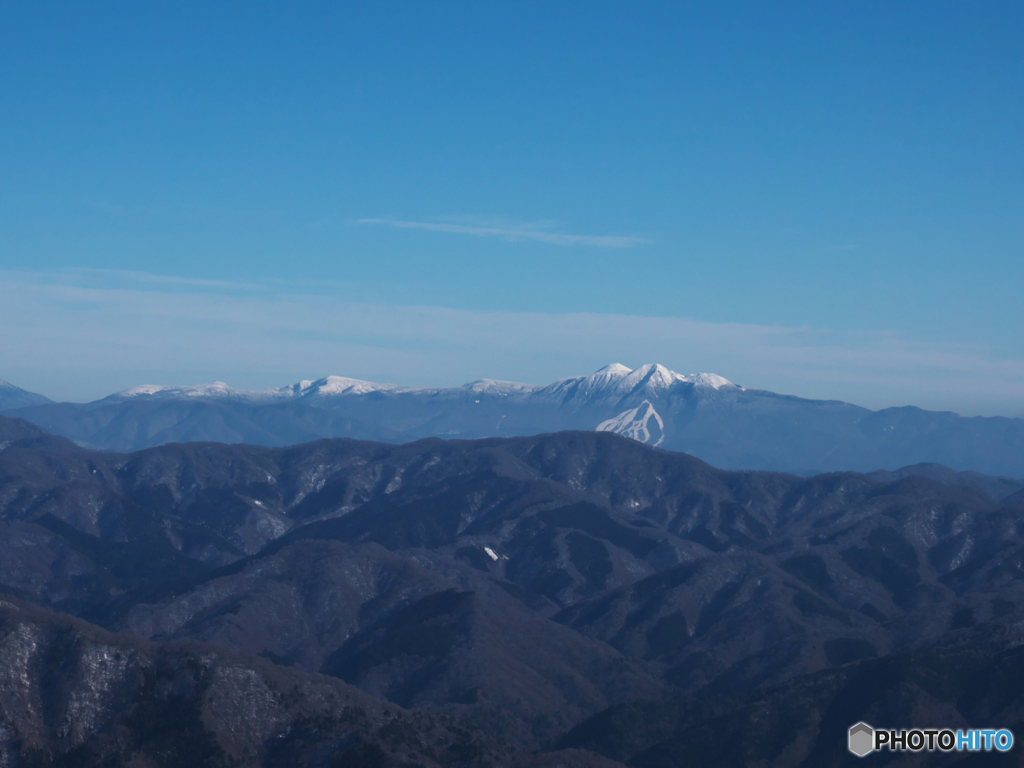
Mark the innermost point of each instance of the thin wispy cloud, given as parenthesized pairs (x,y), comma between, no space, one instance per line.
(513,233)
(109,278)
(192,282)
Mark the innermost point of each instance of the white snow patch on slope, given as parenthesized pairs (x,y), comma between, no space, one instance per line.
(342,385)
(635,423)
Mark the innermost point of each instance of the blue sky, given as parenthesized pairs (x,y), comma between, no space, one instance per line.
(821,199)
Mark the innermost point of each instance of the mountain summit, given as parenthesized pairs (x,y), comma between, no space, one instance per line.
(12,397)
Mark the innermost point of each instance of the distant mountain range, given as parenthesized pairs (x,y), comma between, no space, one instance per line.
(729,426)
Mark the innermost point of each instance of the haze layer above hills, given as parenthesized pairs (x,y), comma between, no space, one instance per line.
(705,415)
(491,598)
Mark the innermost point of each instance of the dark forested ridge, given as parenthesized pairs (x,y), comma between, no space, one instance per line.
(500,598)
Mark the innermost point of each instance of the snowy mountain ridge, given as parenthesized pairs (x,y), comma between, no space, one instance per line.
(730,426)
(612,380)
(618,380)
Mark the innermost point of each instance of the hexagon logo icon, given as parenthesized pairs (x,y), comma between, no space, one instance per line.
(862,739)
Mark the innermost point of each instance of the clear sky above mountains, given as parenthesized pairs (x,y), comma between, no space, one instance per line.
(822,199)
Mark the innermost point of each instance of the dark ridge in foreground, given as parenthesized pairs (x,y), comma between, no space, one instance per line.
(577,590)
(75,695)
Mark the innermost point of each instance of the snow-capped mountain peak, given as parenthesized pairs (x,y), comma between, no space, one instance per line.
(711,380)
(618,381)
(615,369)
(657,376)
(652,375)
(496,387)
(213,389)
(144,389)
(340,385)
